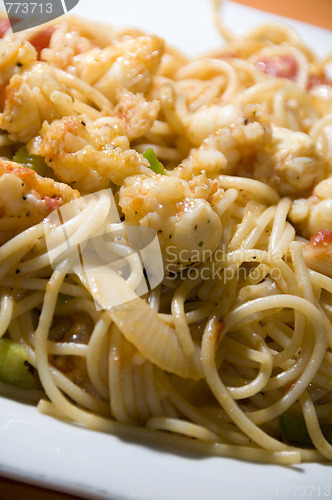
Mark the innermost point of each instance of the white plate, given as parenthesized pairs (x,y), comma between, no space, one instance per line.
(41,450)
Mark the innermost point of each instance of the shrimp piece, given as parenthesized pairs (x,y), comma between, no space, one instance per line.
(208,120)
(136,112)
(130,64)
(286,160)
(290,162)
(64,45)
(187,226)
(26,198)
(317,253)
(87,154)
(240,142)
(223,151)
(15,57)
(314,214)
(27,102)
(197,125)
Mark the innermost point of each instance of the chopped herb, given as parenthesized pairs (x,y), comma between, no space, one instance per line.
(36,163)
(155,164)
(200,244)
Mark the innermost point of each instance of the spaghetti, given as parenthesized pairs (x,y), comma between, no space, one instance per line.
(235,344)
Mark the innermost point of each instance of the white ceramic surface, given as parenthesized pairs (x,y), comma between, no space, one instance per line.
(44,451)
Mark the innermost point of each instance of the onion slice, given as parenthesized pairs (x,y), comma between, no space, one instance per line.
(140,324)
(157,341)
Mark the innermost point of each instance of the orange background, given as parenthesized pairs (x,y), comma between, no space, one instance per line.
(317,12)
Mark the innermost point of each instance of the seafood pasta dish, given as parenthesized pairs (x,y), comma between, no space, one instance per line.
(166,237)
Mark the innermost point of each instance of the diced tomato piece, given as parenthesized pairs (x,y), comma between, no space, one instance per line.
(281,66)
(321,239)
(42,39)
(314,81)
(318,251)
(4,26)
(52,203)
